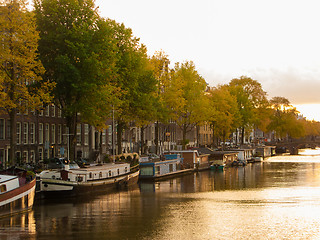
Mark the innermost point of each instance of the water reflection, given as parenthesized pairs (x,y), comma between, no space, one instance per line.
(18,227)
(276,199)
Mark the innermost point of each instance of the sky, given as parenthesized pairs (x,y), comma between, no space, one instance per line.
(276,42)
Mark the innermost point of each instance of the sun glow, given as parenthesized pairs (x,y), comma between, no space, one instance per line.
(309,111)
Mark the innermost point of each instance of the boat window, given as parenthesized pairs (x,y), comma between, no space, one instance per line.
(110,174)
(100,175)
(3,188)
(125,169)
(118,171)
(90,175)
(79,179)
(157,169)
(170,167)
(53,177)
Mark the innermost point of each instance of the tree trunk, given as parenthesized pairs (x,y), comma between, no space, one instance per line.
(198,135)
(142,148)
(184,136)
(156,137)
(120,128)
(213,134)
(242,135)
(100,147)
(72,125)
(13,137)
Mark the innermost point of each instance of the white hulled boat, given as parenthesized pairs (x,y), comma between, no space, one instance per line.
(73,180)
(16,191)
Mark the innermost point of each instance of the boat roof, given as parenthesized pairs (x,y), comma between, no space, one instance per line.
(5,178)
(98,167)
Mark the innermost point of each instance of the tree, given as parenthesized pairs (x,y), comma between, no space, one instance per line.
(224,112)
(160,65)
(285,120)
(22,87)
(186,97)
(78,51)
(250,97)
(135,79)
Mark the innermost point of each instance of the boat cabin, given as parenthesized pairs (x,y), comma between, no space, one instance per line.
(244,154)
(91,173)
(190,158)
(223,157)
(154,169)
(266,151)
(8,183)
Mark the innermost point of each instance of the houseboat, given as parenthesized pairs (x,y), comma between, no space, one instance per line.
(170,165)
(223,159)
(73,181)
(193,158)
(245,155)
(17,191)
(266,151)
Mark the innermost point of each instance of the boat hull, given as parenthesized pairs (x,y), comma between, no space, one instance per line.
(54,188)
(18,200)
(217,167)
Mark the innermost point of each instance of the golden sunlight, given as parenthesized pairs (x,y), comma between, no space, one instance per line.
(309,111)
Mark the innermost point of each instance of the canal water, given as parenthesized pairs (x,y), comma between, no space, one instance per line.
(276,199)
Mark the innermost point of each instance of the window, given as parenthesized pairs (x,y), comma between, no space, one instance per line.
(31,156)
(100,174)
(25,133)
(53,133)
(79,179)
(59,133)
(2,129)
(53,110)
(110,174)
(32,133)
(109,134)
(47,153)
(79,133)
(3,188)
(40,153)
(47,111)
(8,129)
(86,134)
(47,133)
(103,136)
(59,113)
(118,171)
(1,157)
(18,155)
(40,133)
(90,175)
(157,168)
(65,136)
(25,157)
(18,132)
(170,167)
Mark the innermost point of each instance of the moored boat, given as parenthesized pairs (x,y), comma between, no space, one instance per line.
(17,191)
(217,166)
(159,169)
(80,181)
